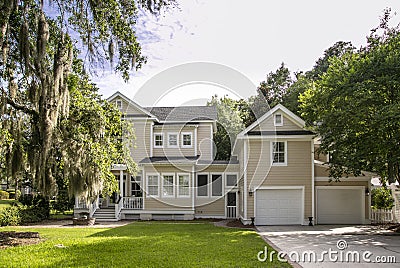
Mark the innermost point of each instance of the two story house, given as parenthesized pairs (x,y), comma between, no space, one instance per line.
(272,177)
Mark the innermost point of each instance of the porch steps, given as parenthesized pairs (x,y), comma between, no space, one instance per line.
(105,214)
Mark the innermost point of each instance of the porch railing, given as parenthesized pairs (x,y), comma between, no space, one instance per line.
(231,212)
(133,202)
(93,207)
(382,216)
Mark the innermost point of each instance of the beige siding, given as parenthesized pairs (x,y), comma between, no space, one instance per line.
(142,142)
(214,208)
(268,124)
(319,156)
(205,141)
(296,173)
(346,182)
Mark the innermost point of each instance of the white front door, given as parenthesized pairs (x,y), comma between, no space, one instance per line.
(279,206)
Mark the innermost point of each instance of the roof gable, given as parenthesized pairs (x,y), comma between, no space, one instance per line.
(265,122)
(131,106)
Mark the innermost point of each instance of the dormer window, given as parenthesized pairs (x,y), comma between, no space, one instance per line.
(278,120)
(118,103)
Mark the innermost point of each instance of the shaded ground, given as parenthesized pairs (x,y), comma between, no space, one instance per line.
(12,239)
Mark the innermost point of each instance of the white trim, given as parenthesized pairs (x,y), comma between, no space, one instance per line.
(173,185)
(299,187)
(177,185)
(226,180)
(222,184)
(279,164)
(191,139)
(195,141)
(177,139)
(297,120)
(151,139)
(361,188)
(212,142)
(278,124)
(245,221)
(312,182)
(162,139)
(193,183)
(208,185)
(131,102)
(245,180)
(147,185)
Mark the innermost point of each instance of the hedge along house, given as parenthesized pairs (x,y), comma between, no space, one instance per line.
(271,178)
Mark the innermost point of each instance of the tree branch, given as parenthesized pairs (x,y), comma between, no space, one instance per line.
(18,106)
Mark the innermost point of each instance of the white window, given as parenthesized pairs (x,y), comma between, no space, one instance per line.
(183,185)
(278,120)
(158,140)
(152,185)
(172,140)
(202,185)
(231,180)
(216,184)
(186,139)
(118,103)
(168,185)
(278,153)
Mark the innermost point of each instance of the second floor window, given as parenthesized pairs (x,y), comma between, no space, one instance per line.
(278,153)
(158,140)
(186,139)
(172,140)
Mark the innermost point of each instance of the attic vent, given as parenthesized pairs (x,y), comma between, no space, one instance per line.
(118,103)
(278,120)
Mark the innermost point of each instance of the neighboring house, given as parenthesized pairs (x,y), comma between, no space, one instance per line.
(271,179)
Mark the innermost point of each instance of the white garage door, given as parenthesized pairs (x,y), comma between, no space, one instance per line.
(340,206)
(279,206)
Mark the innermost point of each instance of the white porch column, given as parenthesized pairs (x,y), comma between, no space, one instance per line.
(121,182)
(76,201)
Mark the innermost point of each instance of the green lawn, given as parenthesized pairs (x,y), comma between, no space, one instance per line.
(6,203)
(140,244)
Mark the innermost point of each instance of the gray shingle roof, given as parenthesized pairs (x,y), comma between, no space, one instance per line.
(184,113)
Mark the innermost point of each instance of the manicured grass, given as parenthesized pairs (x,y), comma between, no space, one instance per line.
(7,203)
(55,215)
(140,244)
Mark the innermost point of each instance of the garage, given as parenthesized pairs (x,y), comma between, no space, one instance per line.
(279,206)
(340,205)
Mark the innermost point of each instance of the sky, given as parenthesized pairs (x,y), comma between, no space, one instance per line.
(251,37)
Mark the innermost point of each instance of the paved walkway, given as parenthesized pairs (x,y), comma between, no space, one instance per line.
(344,240)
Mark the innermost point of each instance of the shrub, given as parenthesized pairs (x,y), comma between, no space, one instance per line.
(63,202)
(382,198)
(10,216)
(4,195)
(11,194)
(26,200)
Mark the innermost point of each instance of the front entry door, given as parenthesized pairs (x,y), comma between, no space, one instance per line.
(231,205)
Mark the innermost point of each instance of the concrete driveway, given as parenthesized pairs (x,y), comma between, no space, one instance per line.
(334,246)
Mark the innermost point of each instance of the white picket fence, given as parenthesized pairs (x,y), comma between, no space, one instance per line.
(380,216)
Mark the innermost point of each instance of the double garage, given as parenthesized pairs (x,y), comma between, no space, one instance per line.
(334,205)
